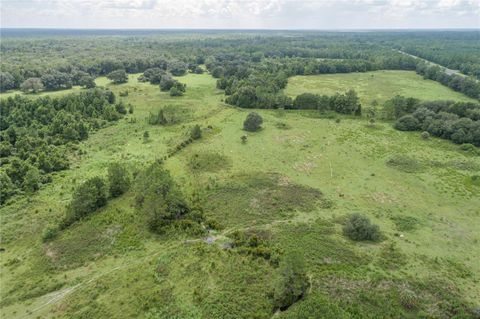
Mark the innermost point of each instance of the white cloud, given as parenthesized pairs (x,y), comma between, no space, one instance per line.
(241,14)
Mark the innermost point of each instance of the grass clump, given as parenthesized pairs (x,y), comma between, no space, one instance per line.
(359,228)
(405,163)
(405,223)
(208,162)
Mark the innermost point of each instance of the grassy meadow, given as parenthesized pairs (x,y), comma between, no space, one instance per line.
(292,183)
(374,86)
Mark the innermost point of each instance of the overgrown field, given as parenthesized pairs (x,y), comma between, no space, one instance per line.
(286,190)
(376,86)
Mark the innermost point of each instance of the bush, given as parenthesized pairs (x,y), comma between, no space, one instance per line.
(196,132)
(174,91)
(359,227)
(49,233)
(87,198)
(407,123)
(253,122)
(425,135)
(291,283)
(118,179)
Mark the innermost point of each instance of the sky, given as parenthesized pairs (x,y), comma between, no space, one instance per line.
(240,14)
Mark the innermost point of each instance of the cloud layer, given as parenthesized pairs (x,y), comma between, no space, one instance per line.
(232,14)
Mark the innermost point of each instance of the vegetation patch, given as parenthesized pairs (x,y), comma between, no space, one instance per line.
(259,197)
(405,223)
(405,163)
(208,162)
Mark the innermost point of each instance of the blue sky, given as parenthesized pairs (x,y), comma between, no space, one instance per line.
(249,14)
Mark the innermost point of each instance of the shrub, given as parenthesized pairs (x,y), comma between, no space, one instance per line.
(407,123)
(425,135)
(253,122)
(118,179)
(291,283)
(146,137)
(244,139)
(359,227)
(49,233)
(87,198)
(196,132)
(175,92)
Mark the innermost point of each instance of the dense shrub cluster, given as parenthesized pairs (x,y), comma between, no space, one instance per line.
(455,121)
(36,134)
(93,193)
(158,196)
(359,227)
(347,103)
(291,283)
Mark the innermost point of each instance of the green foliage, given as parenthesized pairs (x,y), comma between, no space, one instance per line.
(118,76)
(86,199)
(359,227)
(405,163)
(7,188)
(253,122)
(291,283)
(160,198)
(174,91)
(31,85)
(49,233)
(208,162)
(407,123)
(32,180)
(315,306)
(118,179)
(196,132)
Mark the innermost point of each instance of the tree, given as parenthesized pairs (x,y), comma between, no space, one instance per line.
(253,122)
(31,85)
(218,72)
(7,188)
(306,101)
(407,123)
(31,181)
(359,227)
(87,82)
(166,83)
(7,81)
(291,283)
(118,179)
(178,68)
(198,70)
(87,198)
(56,80)
(118,76)
(196,132)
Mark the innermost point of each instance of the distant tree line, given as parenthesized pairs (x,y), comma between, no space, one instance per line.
(36,134)
(455,121)
(466,85)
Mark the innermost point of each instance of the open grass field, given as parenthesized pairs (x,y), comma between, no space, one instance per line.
(377,85)
(292,183)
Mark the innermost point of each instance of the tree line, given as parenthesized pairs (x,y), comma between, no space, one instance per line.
(36,135)
(455,121)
